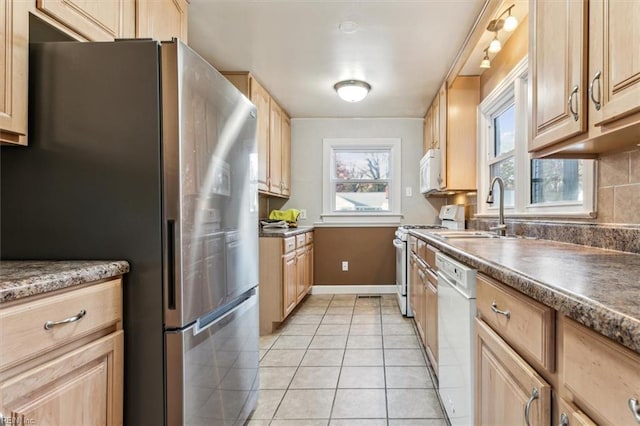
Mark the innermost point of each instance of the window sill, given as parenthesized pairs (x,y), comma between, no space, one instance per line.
(547,215)
(360,219)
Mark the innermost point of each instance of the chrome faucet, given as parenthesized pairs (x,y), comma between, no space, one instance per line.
(501,229)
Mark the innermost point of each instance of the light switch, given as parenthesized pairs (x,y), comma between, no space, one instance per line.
(408,191)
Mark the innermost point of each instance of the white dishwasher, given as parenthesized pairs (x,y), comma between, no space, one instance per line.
(456,313)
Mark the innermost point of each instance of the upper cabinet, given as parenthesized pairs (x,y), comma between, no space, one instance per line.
(14,51)
(273,133)
(451,126)
(161,19)
(585,77)
(94,20)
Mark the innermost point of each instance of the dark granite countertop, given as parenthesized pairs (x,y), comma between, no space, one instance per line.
(19,279)
(283,233)
(598,288)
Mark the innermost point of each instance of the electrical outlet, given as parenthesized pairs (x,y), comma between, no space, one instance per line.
(303,213)
(345,265)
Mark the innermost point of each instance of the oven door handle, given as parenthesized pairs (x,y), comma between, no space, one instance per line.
(398,243)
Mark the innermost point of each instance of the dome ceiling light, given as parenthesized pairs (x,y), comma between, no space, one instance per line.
(352,90)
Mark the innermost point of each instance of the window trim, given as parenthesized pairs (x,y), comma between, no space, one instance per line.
(394,214)
(514,86)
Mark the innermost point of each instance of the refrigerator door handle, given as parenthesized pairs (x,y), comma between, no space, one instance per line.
(171,262)
(242,304)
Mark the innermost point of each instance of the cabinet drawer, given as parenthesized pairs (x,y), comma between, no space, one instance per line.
(422,250)
(524,323)
(601,374)
(309,237)
(288,244)
(301,240)
(22,327)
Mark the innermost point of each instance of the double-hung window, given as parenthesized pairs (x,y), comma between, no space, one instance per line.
(533,187)
(361,178)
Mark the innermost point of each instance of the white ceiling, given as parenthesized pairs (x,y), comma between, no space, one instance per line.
(403,48)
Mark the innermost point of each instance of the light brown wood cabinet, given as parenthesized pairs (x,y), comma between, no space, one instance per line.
(71,373)
(451,126)
(286,276)
(508,390)
(585,77)
(273,133)
(162,19)
(14,50)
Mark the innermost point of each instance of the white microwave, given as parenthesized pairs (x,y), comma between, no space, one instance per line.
(430,172)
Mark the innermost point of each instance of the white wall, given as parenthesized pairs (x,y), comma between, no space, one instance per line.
(306,161)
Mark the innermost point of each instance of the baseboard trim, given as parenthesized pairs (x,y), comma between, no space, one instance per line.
(353,289)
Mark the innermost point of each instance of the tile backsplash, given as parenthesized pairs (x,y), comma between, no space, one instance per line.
(619,188)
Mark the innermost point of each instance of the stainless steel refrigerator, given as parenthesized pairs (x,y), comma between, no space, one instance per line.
(143,151)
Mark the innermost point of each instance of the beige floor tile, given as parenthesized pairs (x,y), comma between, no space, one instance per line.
(336,319)
(328,342)
(310,319)
(413,404)
(364,342)
(312,310)
(316,301)
(361,377)
(267,403)
(262,353)
(359,404)
(399,342)
(408,377)
(365,330)
(367,302)
(398,329)
(366,319)
(306,404)
(416,422)
(344,297)
(258,423)
(276,377)
(315,378)
(395,319)
(366,310)
(300,422)
(267,341)
(292,342)
(299,330)
(358,422)
(363,357)
(333,330)
(342,303)
(282,358)
(403,357)
(339,310)
(390,309)
(323,358)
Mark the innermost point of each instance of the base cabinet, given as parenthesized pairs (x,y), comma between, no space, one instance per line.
(286,276)
(70,373)
(508,390)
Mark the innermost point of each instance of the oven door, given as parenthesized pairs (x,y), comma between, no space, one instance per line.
(401,266)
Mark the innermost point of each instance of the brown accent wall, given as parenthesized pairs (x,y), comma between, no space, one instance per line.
(369,251)
(513,51)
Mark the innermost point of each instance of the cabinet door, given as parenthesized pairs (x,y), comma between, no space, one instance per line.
(419,303)
(275,148)
(14,51)
(507,388)
(614,59)
(260,97)
(442,134)
(83,387)
(286,155)
(310,268)
(431,308)
(435,122)
(301,274)
(97,20)
(557,61)
(571,416)
(427,137)
(289,279)
(162,19)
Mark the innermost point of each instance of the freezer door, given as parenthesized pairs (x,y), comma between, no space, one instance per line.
(210,187)
(212,368)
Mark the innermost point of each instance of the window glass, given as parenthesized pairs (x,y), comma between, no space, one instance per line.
(556,181)
(504,133)
(361,180)
(506,170)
